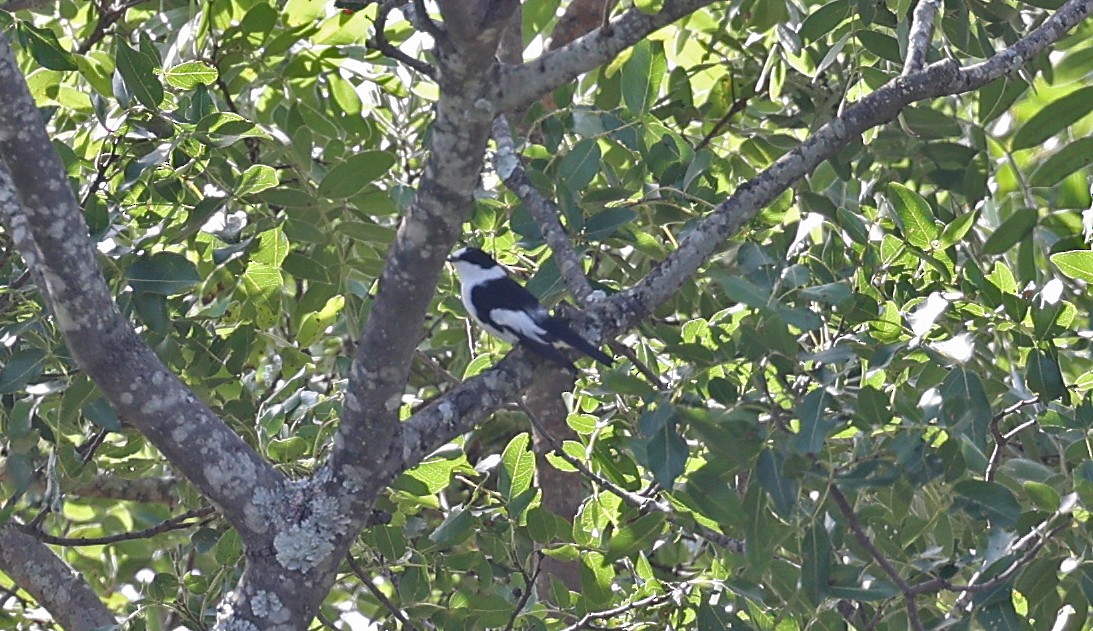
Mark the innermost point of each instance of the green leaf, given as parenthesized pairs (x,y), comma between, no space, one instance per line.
(1043,496)
(815,426)
(301,12)
(1075,264)
(517,467)
(272,249)
(651,7)
(782,490)
(488,610)
(1044,377)
(314,324)
(596,579)
(102,414)
(287,197)
(367,232)
(20,368)
(389,541)
(45,47)
(1001,616)
(351,175)
(964,405)
(577,168)
(914,214)
(138,73)
(165,273)
(287,449)
(834,294)
(191,74)
(634,537)
(741,290)
(816,564)
(710,493)
(665,450)
(414,584)
(256,179)
(1075,155)
(823,20)
(853,225)
(988,500)
(1056,116)
(604,224)
(642,75)
(456,528)
(229,549)
(1012,230)
(957,228)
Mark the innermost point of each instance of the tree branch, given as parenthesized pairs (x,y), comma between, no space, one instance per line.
(151,490)
(648,601)
(378,594)
(53,583)
(381,44)
(177,522)
(922,31)
(625,308)
(39,211)
(1001,439)
(520,85)
(878,556)
(542,210)
(367,448)
(456,411)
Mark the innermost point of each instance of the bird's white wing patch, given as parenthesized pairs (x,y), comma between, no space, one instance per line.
(520,322)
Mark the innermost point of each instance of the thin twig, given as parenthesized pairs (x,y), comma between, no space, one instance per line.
(1000,439)
(174,523)
(737,106)
(435,366)
(380,596)
(529,587)
(544,211)
(1035,538)
(648,601)
(380,43)
(630,354)
(107,17)
(878,556)
(426,23)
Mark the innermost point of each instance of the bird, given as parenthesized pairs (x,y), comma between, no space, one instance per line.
(508,311)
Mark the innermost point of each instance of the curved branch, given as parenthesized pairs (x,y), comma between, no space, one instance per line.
(367,450)
(520,85)
(944,78)
(544,211)
(53,583)
(41,214)
(458,410)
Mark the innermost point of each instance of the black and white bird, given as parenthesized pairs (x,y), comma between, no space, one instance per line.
(508,311)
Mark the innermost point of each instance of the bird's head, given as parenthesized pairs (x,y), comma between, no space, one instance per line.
(472,256)
(473,264)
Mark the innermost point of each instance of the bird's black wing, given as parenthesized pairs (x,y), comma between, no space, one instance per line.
(506,306)
(558,329)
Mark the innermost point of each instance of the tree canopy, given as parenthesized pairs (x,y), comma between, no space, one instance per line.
(839,250)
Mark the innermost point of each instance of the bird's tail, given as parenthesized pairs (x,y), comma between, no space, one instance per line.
(561,331)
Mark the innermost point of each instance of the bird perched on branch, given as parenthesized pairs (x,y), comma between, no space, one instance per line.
(510,312)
